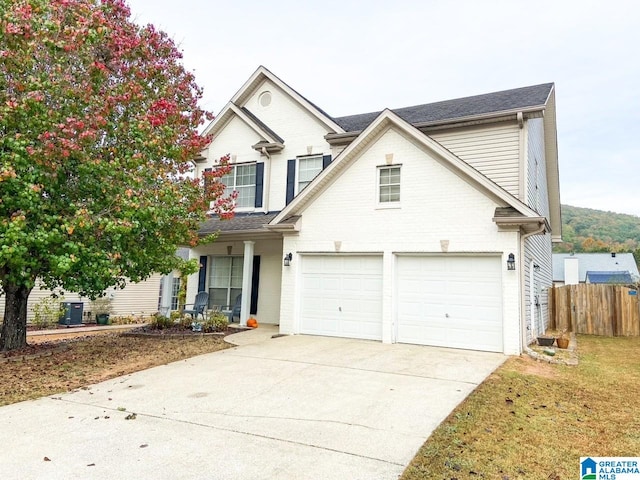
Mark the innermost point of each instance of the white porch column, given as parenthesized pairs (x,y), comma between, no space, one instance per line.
(167,290)
(247,272)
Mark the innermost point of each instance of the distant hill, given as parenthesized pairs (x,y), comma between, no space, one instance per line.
(588,230)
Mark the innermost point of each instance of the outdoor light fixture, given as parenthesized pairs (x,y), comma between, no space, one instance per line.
(287,259)
(536,267)
(511,262)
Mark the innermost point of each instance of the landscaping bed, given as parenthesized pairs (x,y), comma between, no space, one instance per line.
(59,366)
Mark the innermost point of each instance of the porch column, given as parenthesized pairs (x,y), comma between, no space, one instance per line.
(167,290)
(247,280)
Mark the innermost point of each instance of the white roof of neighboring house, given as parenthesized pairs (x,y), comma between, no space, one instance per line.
(595,262)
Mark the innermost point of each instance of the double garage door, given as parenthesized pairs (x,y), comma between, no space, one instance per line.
(440,300)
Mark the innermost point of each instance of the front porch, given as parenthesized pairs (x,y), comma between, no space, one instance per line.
(240,269)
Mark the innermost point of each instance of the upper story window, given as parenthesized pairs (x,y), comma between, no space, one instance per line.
(242,178)
(308,169)
(389,184)
(302,170)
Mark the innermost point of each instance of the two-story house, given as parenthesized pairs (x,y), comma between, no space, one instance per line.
(429,224)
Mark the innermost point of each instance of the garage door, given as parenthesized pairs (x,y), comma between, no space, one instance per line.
(450,302)
(342,296)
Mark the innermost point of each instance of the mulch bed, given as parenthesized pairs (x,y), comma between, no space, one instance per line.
(43,349)
(36,350)
(178,331)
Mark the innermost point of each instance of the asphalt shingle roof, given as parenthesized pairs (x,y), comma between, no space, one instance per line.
(595,262)
(610,277)
(517,98)
(240,222)
(262,125)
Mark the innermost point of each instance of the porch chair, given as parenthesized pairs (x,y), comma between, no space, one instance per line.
(235,310)
(198,306)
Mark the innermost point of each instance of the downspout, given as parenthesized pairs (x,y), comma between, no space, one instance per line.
(523,314)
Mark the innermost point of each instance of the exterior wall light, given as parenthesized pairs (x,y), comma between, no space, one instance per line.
(287,259)
(511,262)
(536,267)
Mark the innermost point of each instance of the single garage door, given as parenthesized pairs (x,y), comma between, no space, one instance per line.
(450,301)
(342,296)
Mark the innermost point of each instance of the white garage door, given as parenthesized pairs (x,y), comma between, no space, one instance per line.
(342,296)
(450,302)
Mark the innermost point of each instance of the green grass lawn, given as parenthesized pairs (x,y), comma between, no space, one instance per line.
(532,420)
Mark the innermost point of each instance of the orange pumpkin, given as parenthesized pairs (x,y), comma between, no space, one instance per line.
(252,322)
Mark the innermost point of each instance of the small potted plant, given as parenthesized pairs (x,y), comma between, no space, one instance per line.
(563,339)
(102,308)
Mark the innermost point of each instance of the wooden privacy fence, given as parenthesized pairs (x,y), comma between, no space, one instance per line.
(608,310)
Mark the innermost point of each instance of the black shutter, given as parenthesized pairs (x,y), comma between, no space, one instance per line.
(291,180)
(259,184)
(255,282)
(202,274)
(326,160)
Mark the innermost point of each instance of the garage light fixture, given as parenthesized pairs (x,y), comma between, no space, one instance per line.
(511,262)
(287,259)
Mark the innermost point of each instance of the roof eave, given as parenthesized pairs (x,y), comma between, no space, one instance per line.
(274,147)
(524,224)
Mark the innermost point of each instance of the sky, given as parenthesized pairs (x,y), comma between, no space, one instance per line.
(353,56)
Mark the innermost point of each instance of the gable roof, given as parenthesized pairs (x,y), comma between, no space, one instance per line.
(507,101)
(595,262)
(261,75)
(230,111)
(381,124)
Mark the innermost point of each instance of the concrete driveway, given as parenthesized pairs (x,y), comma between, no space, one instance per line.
(298,407)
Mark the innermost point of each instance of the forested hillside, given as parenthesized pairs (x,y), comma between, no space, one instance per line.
(587,230)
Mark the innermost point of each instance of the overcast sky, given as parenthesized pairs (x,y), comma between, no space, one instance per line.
(355,56)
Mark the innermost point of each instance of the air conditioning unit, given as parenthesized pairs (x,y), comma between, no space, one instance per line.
(72,313)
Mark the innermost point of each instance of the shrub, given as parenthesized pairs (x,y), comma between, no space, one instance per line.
(215,322)
(127,319)
(47,312)
(160,322)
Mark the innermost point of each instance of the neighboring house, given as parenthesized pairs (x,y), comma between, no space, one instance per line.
(613,268)
(396,225)
(135,299)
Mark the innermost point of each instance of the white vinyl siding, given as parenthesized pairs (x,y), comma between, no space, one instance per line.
(537,197)
(493,151)
(135,299)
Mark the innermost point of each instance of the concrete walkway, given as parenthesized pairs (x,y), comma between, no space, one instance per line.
(296,407)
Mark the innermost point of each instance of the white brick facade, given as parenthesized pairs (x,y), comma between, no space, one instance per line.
(456,181)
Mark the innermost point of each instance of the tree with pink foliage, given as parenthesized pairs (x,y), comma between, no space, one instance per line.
(98,126)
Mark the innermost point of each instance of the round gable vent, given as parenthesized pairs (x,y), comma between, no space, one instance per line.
(265,99)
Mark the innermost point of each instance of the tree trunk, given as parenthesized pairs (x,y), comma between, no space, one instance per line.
(14,328)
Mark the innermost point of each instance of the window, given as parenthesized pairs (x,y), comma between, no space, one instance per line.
(308,169)
(242,178)
(388,184)
(225,280)
(175,288)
